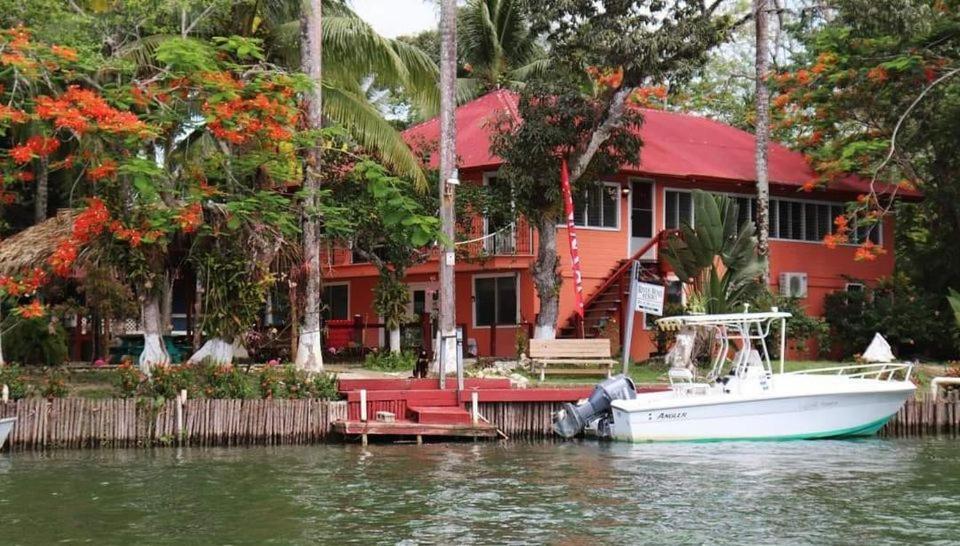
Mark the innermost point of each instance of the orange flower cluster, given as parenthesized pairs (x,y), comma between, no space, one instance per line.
(868,252)
(644,96)
(36,146)
(91,222)
(878,74)
(65,53)
(239,119)
(34,309)
(841,233)
(63,257)
(24,286)
(190,218)
(611,78)
(8,113)
(82,110)
(106,169)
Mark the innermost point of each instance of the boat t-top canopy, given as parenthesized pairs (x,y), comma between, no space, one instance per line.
(736,332)
(726,319)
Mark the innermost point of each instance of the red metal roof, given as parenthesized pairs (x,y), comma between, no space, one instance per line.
(674,144)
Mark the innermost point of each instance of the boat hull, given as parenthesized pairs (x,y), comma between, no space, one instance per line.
(773,417)
(6,426)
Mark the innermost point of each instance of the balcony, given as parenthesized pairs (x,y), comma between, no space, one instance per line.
(476,241)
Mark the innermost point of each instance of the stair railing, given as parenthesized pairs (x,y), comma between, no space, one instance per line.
(616,276)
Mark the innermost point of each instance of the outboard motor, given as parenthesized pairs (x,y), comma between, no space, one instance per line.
(571,420)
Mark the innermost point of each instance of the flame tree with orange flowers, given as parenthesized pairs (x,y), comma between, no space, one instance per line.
(192,161)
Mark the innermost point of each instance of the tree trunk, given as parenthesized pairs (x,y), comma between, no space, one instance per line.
(41,198)
(309,354)
(218,350)
(762,131)
(167,295)
(546,279)
(395,340)
(448,165)
(154,351)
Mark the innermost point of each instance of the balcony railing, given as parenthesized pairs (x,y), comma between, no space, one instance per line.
(475,241)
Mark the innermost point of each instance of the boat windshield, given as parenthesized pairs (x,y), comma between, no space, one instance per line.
(739,339)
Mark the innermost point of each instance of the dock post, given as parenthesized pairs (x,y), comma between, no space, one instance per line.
(5,394)
(474,410)
(363,405)
(181,401)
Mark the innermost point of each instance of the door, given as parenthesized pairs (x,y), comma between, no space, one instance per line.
(641,217)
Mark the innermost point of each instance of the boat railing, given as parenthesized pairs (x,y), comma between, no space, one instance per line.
(884,371)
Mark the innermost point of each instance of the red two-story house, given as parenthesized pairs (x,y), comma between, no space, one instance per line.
(617,220)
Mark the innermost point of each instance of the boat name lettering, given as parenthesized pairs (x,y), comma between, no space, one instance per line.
(672,415)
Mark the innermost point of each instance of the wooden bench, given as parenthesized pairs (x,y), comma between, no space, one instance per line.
(567,352)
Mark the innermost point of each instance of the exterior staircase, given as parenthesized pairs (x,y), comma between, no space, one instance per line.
(609,300)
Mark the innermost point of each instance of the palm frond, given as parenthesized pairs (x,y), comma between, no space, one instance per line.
(141,52)
(365,123)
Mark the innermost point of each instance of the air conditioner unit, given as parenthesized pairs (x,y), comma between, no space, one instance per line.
(793,285)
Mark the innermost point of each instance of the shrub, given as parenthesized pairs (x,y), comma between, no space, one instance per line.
(390,362)
(54,384)
(225,382)
(801,327)
(128,379)
(289,382)
(521,343)
(14,378)
(912,322)
(168,381)
(36,341)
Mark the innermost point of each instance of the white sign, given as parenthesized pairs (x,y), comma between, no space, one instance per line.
(649,298)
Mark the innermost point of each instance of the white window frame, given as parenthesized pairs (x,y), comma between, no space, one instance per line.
(339,283)
(861,286)
(663,224)
(619,195)
(473,298)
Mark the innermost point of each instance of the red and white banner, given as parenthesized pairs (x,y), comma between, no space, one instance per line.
(572,236)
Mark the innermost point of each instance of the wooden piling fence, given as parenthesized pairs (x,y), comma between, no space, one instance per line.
(82,423)
(78,422)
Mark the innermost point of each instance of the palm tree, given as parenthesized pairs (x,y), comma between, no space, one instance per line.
(497,47)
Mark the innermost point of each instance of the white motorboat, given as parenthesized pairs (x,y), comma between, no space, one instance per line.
(742,398)
(6,427)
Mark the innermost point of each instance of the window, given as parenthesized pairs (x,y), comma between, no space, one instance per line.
(641,209)
(789,219)
(679,209)
(335,302)
(495,300)
(598,207)
(854,287)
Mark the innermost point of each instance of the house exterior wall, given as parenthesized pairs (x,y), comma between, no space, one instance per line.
(601,251)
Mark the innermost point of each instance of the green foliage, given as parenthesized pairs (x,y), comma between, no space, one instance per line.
(289,382)
(35,342)
(717,258)
(208,380)
(556,118)
(15,379)
(908,318)
(801,327)
(186,55)
(390,362)
(390,299)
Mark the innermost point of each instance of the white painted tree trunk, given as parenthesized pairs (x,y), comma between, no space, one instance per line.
(217,350)
(309,352)
(154,351)
(395,340)
(546,279)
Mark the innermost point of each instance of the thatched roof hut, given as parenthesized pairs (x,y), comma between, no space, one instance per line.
(33,246)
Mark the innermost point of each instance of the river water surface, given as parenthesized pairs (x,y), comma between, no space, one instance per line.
(839,492)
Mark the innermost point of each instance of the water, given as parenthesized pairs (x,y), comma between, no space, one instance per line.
(869,492)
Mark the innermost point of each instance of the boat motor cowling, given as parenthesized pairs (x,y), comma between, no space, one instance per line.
(572,419)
